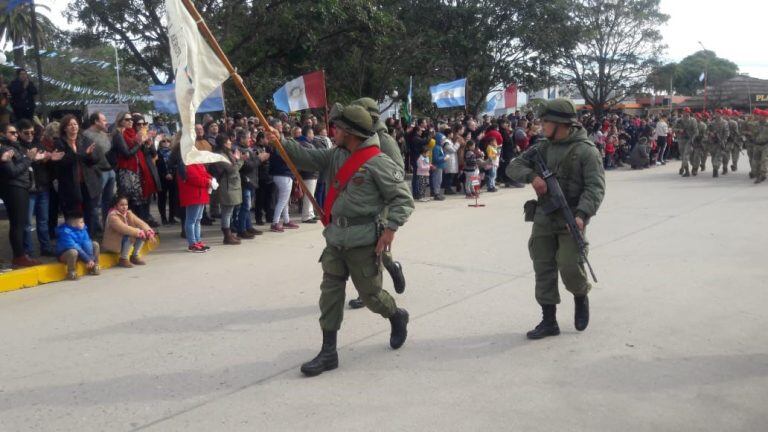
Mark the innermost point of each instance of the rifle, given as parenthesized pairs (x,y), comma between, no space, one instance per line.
(557,202)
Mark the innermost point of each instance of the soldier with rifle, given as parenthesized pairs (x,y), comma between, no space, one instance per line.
(566,172)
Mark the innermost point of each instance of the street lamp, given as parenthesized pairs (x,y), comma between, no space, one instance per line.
(117,69)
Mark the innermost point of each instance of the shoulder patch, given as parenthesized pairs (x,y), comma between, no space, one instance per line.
(398,175)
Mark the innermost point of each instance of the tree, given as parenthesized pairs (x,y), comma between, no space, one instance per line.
(16,27)
(489,42)
(662,77)
(619,43)
(365,47)
(717,69)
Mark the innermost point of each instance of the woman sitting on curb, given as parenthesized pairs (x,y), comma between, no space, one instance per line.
(124,230)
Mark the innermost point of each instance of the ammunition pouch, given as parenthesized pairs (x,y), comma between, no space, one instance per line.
(529,210)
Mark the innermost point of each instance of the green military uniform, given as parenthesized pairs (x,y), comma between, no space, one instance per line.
(718,140)
(688,130)
(352,235)
(734,143)
(760,149)
(579,169)
(390,148)
(353,232)
(699,158)
(748,130)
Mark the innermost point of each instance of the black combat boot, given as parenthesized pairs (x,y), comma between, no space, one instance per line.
(548,325)
(686,173)
(733,167)
(715,173)
(328,359)
(581,314)
(356,303)
(694,172)
(395,270)
(399,333)
(760,179)
(751,175)
(725,169)
(681,171)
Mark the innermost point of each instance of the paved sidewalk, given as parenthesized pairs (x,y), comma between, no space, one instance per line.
(213,342)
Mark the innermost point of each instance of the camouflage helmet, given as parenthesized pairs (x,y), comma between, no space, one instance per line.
(353,119)
(560,111)
(370,105)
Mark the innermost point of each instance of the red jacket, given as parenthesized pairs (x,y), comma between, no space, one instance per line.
(194,188)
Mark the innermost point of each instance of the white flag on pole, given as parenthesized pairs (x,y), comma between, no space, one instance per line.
(701,77)
(198,73)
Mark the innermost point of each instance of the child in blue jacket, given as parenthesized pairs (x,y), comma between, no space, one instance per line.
(73,243)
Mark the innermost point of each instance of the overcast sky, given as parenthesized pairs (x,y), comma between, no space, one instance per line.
(729,28)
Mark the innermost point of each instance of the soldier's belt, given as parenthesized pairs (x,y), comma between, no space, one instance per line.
(344,222)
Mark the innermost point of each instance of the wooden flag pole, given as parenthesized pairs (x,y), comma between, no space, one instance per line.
(206,32)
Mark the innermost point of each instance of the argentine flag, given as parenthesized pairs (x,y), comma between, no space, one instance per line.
(164,98)
(307,91)
(450,94)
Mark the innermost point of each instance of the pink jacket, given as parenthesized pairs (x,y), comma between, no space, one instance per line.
(422,167)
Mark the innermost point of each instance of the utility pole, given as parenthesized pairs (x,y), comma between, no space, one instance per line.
(36,45)
(117,69)
(706,75)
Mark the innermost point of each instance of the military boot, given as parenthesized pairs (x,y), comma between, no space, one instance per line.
(725,169)
(395,270)
(751,175)
(548,325)
(581,314)
(715,173)
(399,322)
(760,179)
(356,303)
(695,171)
(681,171)
(328,359)
(686,173)
(733,167)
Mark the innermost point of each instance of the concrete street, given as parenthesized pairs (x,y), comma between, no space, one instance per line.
(213,342)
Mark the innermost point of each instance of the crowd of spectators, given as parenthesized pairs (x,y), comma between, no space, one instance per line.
(110,174)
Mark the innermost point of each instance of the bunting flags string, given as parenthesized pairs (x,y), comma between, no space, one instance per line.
(123,97)
(72,59)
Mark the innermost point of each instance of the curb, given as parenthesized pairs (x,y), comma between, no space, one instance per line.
(56,272)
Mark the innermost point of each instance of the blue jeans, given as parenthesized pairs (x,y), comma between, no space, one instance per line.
(127,244)
(415,178)
(38,209)
(244,216)
(107,192)
(194,213)
(436,179)
(492,178)
(226,215)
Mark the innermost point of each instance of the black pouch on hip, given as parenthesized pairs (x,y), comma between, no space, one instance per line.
(529,209)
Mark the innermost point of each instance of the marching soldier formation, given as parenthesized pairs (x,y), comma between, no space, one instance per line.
(722,137)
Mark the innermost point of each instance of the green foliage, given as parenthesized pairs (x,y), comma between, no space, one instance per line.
(619,43)
(690,69)
(366,48)
(17,28)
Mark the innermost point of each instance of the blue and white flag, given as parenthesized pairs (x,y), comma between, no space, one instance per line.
(164,98)
(494,100)
(450,94)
